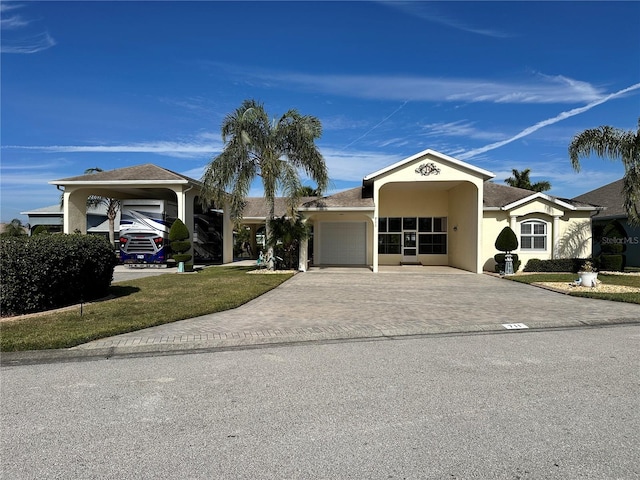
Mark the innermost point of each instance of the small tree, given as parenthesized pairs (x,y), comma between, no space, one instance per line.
(506,242)
(179,241)
(14,229)
(287,235)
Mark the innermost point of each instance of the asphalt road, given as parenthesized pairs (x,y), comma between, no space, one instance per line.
(560,404)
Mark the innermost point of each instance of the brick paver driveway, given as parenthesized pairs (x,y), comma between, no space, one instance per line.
(337,303)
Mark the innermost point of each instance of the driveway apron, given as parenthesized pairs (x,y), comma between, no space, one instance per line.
(356,303)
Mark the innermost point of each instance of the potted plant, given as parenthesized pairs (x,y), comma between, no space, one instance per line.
(588,274)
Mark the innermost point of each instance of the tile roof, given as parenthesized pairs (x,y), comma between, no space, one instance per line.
(256,207)
(497,195)
(351,198)
(146,172)
(608,196)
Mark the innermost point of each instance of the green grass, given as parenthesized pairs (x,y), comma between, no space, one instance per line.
(627,280)
(139,304)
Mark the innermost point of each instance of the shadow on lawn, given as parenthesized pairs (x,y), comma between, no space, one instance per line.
(117,291)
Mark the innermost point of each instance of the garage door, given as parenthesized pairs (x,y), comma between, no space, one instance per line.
(343,243)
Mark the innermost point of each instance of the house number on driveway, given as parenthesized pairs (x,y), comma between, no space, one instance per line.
(514,326)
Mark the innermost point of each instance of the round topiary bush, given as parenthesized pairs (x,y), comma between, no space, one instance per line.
(179,241)
(507,240)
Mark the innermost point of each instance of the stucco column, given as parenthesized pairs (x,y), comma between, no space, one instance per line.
(512,223)
(303,252)
(556,236)
(374,219)
(227,235)
(75,211)
(184,200)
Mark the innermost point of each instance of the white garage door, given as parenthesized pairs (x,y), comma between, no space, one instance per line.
(343,243)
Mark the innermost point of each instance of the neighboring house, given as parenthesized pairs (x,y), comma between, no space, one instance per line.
(429,209)
(610,224)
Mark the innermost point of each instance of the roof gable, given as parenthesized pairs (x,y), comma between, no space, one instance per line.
(485,174)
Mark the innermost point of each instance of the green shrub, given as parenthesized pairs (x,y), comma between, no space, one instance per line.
(40,230)
(49,271)
(179,238)
(612,263)
(554,265)
(500,262)
(613,248)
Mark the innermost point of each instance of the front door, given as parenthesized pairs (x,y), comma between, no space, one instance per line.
(409,242)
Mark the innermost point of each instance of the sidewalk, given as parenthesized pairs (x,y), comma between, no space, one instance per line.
(345,304)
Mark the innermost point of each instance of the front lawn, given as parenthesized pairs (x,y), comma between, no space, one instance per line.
(606,279)
(139,304)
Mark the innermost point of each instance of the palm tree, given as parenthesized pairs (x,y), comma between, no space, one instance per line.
(613,144)
(521,179)
(274,150)
(112,205)
(307,191)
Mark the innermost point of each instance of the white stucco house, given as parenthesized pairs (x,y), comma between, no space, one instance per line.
(428,209)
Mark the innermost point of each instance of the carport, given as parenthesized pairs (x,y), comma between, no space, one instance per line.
(140,181)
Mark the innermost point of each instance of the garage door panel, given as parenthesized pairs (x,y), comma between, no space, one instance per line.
(343,243)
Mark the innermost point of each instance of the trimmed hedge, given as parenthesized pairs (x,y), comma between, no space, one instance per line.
(612,263)
(555,265)
(50,271)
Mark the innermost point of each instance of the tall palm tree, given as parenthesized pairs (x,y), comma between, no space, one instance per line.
(613,144)
(112,205)
(275,150)
(520,179)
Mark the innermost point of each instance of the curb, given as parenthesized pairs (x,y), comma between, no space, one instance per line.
(80,353)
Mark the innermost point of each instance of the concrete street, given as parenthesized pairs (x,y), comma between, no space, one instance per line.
(547,404)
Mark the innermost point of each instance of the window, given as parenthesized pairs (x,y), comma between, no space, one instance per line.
(432,243)
(389,243)
(533,235)
(432,234)
(389,235)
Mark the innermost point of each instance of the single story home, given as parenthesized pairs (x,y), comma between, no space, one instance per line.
(428,209)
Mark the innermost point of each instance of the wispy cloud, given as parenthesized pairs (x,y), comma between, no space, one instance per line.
(352,166)
(536,89)
(13,22)
(428,11)
(375,126)
(27,43)
(550,121)
(196,149)
(460,128)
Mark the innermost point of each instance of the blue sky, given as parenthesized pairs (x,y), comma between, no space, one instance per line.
(499,85)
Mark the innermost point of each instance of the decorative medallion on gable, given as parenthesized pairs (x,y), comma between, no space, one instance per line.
(427,169)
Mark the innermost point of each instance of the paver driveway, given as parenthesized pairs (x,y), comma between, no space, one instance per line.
(342,303)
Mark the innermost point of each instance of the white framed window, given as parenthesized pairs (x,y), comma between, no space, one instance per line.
(533,235)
